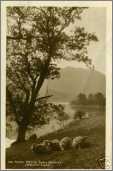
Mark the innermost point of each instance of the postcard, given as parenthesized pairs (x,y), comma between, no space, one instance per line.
(56,85)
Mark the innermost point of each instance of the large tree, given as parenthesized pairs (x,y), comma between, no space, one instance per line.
(36,39)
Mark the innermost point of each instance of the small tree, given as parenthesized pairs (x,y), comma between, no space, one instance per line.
(36,39)
(99,99)
(82,99)
(90,99)
(62,116)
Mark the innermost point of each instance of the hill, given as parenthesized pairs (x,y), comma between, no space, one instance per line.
(84,158)
(74,81)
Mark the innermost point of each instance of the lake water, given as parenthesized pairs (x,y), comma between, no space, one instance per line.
(53,126)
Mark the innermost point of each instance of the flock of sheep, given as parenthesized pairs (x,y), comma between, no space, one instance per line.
(47,146)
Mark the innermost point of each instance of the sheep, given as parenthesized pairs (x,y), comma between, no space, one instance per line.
(78,141)
(65,143)
(48,146)
(55,145)
(34,147)
(55,141)
(52,145)
(41,147)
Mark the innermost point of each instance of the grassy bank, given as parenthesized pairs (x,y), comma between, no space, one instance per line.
(20,156)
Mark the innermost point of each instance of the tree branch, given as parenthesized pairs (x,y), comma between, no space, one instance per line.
(22,87)
(40,98)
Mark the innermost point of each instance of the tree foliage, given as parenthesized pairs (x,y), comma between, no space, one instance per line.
(92,99)
(36,39)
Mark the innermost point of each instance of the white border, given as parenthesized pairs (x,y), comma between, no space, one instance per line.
(109,86)
(108,5)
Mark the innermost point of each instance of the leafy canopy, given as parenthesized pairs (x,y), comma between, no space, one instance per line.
(36,39)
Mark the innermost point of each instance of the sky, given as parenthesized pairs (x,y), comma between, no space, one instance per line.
(94,21)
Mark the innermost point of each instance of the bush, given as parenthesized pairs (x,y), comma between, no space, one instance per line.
(79,114)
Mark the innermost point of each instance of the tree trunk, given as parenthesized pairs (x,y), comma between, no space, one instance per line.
(21,133)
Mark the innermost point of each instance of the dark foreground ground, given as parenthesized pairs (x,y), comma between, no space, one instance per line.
(21,157)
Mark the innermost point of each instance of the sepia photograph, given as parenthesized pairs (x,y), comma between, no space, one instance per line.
(56,70)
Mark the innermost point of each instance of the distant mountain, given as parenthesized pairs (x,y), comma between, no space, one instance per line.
(74,81)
